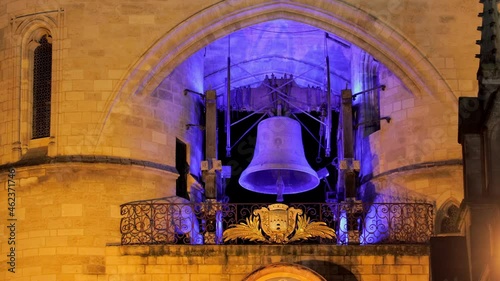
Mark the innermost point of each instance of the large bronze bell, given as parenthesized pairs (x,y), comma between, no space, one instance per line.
(279,165)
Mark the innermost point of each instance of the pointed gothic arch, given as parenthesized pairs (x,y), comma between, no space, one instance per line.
(353,24)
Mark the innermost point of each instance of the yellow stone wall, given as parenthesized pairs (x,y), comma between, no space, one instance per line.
(117,92)
(105,53)
(415,155)
(234,263)
(66,213)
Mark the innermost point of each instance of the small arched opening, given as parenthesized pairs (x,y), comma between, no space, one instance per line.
(284,272)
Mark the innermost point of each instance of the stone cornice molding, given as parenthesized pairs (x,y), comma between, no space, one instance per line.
(89,159)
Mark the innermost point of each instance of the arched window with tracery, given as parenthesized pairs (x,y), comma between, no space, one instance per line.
(37,80)
(448,219)
(41,93)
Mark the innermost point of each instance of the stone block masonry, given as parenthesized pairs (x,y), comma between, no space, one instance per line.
(235,262)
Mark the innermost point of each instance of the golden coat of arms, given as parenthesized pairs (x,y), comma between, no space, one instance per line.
(278,224)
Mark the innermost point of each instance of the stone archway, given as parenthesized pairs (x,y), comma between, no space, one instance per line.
(284,272)
(355,25)
(382,41)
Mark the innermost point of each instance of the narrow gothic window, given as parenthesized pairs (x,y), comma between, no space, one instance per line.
(449,222)
(42,77)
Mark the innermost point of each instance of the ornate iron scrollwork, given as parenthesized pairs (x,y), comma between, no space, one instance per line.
(163,221)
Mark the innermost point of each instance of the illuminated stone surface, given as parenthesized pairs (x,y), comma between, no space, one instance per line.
(119,71)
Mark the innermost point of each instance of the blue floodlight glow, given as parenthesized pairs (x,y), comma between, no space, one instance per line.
(376,225)
(343,233)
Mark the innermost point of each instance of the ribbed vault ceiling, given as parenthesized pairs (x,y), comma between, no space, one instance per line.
(278,47)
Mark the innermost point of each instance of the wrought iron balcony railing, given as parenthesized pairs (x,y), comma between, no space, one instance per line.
(160,221)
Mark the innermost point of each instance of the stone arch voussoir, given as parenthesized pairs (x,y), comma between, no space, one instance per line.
(284,271)
(221,19)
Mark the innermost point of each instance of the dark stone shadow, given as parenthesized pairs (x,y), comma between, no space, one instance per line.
(329,270)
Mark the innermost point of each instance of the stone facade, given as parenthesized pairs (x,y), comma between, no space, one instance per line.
(231,262)
(118,74)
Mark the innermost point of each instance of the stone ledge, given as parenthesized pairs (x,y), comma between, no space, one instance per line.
(91,159)
(273,250)
(424,165)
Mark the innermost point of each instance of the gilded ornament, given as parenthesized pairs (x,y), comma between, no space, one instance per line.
(278,224)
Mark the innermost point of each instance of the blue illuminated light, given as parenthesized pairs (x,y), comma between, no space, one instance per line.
(376,225)
(343,233)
